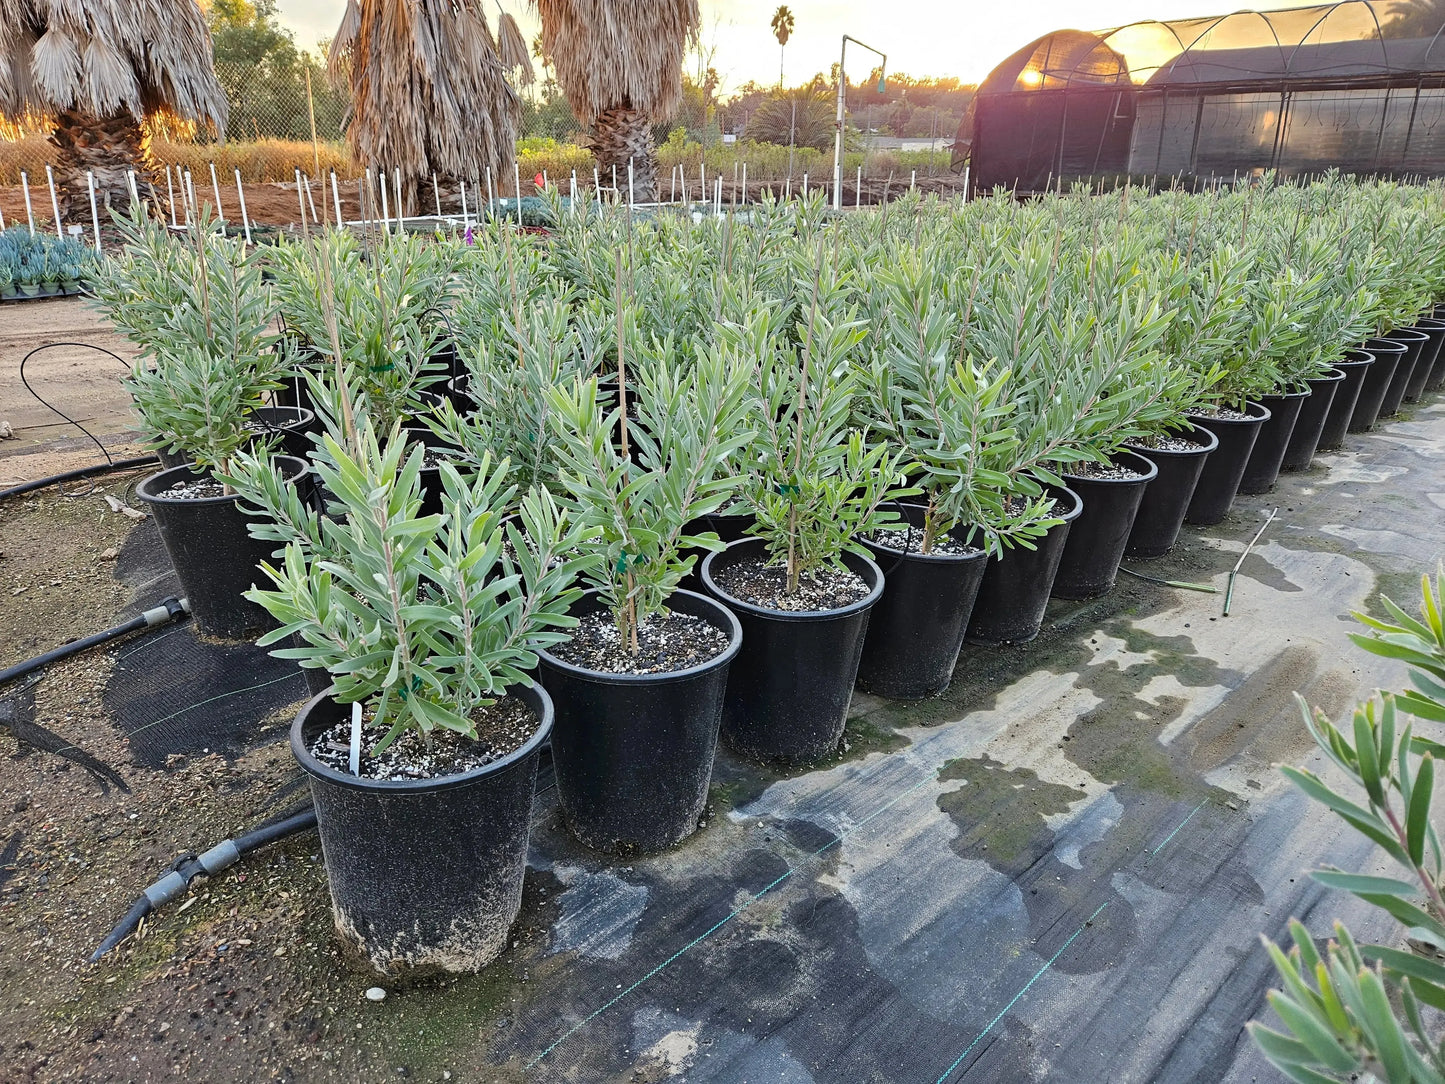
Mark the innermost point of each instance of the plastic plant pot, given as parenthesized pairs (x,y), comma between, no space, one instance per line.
(1337,419)
(425,874)
(1378,377)
(916,629)
(1414,342)
(1424,372)
(461,399)
(1219,480)
(788,694)
(634,752)
(1262,469)
(1166,498)
(1095,546)
(214,555)
(294,424)
(1300,451)
(1014,594)
(728,526)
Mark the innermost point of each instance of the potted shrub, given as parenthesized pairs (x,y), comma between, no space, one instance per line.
(205,365)
(802,584)
(639,688)
(422,756)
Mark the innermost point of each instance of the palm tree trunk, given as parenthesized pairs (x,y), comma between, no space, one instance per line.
(621,136)
(107,146)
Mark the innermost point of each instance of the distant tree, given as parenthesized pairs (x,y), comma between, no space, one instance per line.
(1415,19)
(782,30)
(802,117)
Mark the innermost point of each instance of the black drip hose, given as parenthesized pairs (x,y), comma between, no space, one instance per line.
(169,610)
(82,472)
(188,867)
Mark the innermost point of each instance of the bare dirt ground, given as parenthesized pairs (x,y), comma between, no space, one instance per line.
(82,383)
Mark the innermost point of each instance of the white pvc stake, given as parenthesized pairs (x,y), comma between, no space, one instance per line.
(336,200)
(517,181)
(190,189)
(614,180)
(858,190)
(491,210)
(702,180)
(356,737)
(805,186)
(672,185)
(54,203)
(745,182)
(315,218)
(216,187)
(301,199)
(29,212)
(2,221)
(717,203)
(572,193)
(912,180)
(171,197)
(466,221)
(788,187)
(436,193)
(400,205)
(94,210)
(545,181)
(385,210)
(241,199)
(596,185)
(631,200)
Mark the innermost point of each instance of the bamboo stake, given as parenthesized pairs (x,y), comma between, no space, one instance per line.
(94,210)
(29,211)
(315,143)
(54,203)
(216,187)
(241,199)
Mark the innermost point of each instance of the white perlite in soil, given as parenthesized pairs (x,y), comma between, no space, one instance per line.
(1170,444)
(1221,412)
(753,581)
(1110,473)
(200,489)
(502,728)
(666,643)
(911,541)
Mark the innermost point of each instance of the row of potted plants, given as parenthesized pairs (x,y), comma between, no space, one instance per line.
(636,484)
(36,264)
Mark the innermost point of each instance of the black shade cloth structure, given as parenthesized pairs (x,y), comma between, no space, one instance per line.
(1357,85)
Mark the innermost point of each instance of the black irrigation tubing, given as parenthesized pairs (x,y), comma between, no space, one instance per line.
(83,472)
(110,462)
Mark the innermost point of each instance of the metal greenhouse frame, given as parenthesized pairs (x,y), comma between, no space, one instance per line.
(1357,85)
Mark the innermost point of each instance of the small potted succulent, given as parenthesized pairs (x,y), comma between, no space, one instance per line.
(639,687)
(802,583)
(422,755)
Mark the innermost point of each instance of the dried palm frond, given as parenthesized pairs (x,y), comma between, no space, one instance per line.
(95,58)
(338,61)
(428,91)
(512,49)
(619,54)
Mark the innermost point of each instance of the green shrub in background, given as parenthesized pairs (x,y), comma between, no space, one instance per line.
(42,263)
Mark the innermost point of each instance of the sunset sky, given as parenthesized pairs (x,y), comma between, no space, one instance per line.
(963,38)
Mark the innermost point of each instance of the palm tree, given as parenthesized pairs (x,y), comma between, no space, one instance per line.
(429,94)
(782,30)
(620,66)
(95,71)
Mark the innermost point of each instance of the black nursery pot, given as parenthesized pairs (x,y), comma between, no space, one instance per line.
(787,697)
(430,477)
(634,752)
(294,424)
(425,874)
(1095,546)
(1436,380)
(728,526)
(1167,497)
(1311,422)
(1414,342)
(1425,368)
(214,554)
(1219,480)
(1015,590)
(457,390)
(916,629)
(1262,468)
(1347,396)
(1378,377)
